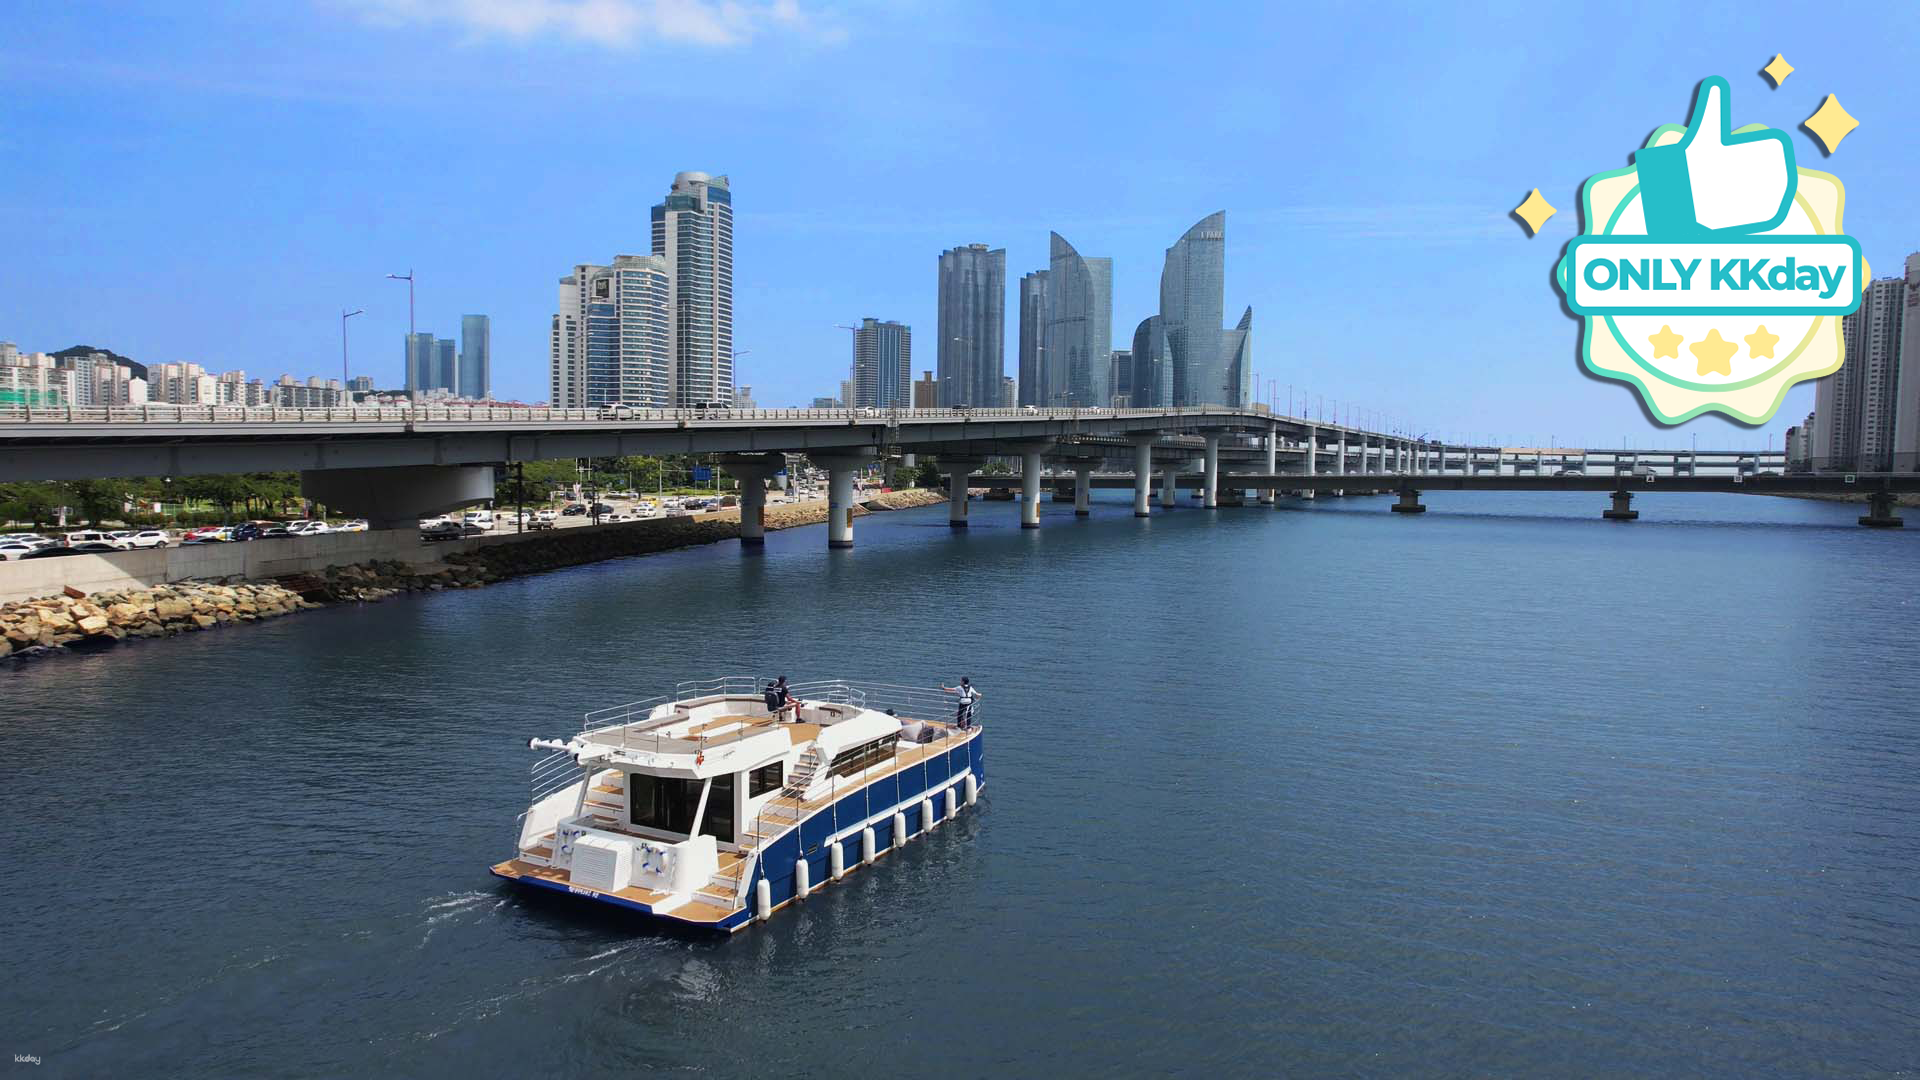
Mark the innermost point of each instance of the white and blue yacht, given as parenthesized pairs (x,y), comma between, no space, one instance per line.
(712,810)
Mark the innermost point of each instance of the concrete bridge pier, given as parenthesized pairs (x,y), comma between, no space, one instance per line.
(1210,492)
(1082,490)
(1880,513)
(1273,462)
(840,469)
(753,471)
(1409,503)
(1169,486)
(1142,473)
(398,496)
(1312,456)
(1030,483)
(959,470)
(1340,463)
(1622,509)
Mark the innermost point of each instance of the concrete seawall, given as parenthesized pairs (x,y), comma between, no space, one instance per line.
(261,560)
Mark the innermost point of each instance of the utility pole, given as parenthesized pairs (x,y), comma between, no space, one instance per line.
(344,377)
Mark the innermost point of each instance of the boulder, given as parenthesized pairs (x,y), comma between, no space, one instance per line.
(92,624)
(204,621)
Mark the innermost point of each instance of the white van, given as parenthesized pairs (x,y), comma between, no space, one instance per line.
(479,518)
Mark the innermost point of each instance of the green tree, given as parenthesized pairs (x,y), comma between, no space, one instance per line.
(929,473)
(31,502)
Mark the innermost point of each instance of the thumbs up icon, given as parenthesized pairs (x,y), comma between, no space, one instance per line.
(1713,180)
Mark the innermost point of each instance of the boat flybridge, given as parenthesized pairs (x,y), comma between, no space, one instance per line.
(710,810)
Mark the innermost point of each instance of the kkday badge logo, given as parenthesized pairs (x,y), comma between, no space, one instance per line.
(1716,240)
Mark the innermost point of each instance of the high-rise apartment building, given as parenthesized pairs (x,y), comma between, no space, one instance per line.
(1009,391)
(1192,303)
(926,391)
(476,357)
(1033,337)
(1854,408)
(882,364)
(1152,365)
(971,349)
(1906,419)
(1079,340)
(421,361)
(611,339)
(693,232)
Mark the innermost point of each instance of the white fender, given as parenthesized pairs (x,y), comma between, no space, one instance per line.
(899,829)
(801,885)
(836,862)
(866,846)
(973,789)
(763,898)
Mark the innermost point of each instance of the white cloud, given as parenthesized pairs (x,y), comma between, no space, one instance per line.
(613,24)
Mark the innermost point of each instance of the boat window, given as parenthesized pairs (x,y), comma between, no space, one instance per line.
(855,758)
(719,820)
(766,778)
(668,803)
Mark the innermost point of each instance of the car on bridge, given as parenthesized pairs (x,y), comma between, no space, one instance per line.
(145,538)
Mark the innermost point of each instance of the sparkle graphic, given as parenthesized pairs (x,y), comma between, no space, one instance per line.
(1535,211)
(1830,123)
(1778,70)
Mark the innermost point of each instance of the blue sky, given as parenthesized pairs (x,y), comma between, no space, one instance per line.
(213,182)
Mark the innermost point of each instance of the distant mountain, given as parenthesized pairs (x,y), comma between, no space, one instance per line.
(134,368)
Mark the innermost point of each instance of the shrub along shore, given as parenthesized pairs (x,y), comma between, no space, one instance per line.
(37,625)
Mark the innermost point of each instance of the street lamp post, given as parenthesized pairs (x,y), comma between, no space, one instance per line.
(408,278)
(344,316)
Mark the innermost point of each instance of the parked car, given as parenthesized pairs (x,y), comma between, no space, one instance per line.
(91,536)
(146,538)
(17,549)
(356,525)
(541,523)
(437,519)
(573,510)
(205,534)
(246,530)
(55,551)
(602,509)
(442,530)
(272,530)
(481,518)
(545,516)
(310,527)
(1569,472)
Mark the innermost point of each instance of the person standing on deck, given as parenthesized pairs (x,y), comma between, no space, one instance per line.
(963,717)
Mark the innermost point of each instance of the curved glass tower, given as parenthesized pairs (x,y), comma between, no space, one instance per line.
(1236,347)
(1192,303)
(1152,367)
(1079,345)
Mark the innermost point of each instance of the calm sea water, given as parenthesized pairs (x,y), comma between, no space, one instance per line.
(1499,790)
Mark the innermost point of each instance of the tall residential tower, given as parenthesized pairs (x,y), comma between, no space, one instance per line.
(1079,342)
(1033,337)
(882,365)
(693,232)
(611,341)
(971,349)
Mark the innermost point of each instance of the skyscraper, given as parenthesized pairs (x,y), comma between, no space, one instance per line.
(1079,340)
(1120,377)
(420,363)
(1854,408)
(611,339)
(1236,347)
(446,365)
(1033,336)
(972,345)
(693,232)
(1192,289)
(1906,421)
(476,357)
(882,365)
(1152,366)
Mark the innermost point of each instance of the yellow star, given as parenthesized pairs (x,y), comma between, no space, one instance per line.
(1535,211)
(1760,343)
(1830,123)
(1778,70)
(1666,343)
(1714,354)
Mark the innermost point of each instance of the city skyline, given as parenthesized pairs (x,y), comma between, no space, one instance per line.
(1322,213)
